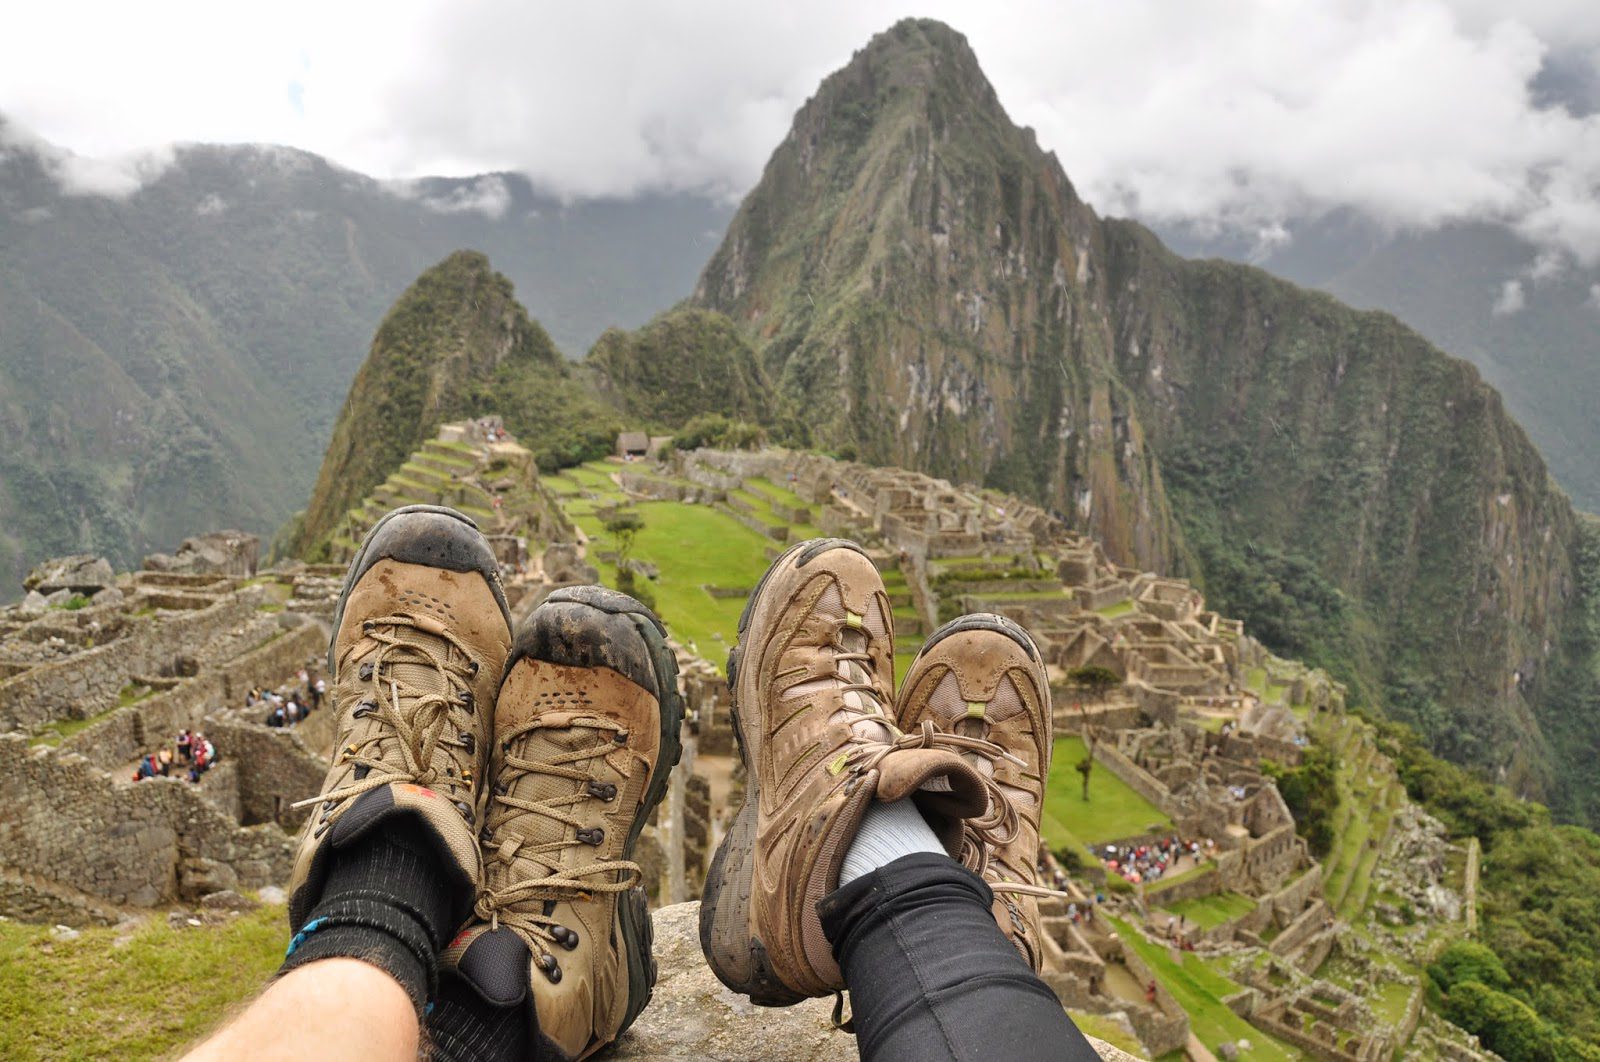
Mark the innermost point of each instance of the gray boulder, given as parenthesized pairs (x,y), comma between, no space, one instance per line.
(81,573)
(233,553)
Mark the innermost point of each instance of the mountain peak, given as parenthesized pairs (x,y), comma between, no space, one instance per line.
(916,68)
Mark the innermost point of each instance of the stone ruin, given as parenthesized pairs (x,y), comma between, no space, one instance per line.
(88,687)
(1197,708)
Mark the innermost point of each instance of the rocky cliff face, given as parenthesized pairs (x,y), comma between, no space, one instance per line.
(924,282)
(921,279)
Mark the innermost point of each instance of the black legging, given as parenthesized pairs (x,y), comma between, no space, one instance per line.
(931,976)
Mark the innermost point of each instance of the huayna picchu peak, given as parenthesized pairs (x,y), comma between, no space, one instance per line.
(921,278)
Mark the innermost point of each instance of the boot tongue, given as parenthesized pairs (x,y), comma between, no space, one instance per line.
(410,671)
(866,727)
(493,962)
(562,733)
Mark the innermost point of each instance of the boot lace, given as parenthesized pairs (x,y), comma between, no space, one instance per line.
(518,905)
(981,835)
(413,723)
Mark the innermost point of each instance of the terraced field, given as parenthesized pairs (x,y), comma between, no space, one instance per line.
(1113,810)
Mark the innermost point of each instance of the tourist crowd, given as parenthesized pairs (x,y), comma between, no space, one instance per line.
(190,755)
(1150,862)
(290,703)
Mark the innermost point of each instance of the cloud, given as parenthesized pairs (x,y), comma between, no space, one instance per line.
(212,204)
(489,195)
(1594,296)
(1511,299)
(1239,114)
(114,176)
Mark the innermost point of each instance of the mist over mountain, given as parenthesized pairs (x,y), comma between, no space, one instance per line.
(174,356)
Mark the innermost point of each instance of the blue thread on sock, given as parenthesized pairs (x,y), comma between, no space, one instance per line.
(300,937)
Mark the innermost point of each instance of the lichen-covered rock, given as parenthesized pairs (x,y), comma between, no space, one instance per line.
(215,553)
(80,573)
(693,1016)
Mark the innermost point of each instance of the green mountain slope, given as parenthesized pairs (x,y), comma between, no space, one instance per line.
(1544,358)
(456,344)
(176,359)
(921,279)
(685,362)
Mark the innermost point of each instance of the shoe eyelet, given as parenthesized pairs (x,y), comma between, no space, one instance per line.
(603,790)
(594,835)
(468,702)
(362,770)
(485,835)
(466,811)
(365,708)
(551,968)
(565,937)
(621,737)
(501,789)
(365,672)
(472,667)
(367,625)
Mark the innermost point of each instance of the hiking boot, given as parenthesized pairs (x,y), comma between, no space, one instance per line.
(982,676)
(811,676)
(586,733)
(421,634)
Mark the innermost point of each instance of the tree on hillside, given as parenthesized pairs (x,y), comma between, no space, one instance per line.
(624,525)
(1095,680)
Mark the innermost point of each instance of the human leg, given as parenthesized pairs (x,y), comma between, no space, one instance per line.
(388,865)
(338,1008)
(557,963)
(981,677)
(835,788)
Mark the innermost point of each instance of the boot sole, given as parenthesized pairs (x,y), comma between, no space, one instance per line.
(633,910)
(454,543)
(733,949)
(984,621)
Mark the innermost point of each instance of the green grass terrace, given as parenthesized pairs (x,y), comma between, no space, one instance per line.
(1112,812)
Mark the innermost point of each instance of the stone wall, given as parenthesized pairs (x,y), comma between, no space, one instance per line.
(1288,902)
(1302,929)
(128,733)
(1137,778)
(282,768)
(1205,883)
(89,682)
(142,844)
(30,898)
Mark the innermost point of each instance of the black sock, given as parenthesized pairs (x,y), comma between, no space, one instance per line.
(386,902)
(463,1027)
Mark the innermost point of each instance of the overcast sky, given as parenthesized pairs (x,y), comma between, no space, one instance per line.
(1245,113)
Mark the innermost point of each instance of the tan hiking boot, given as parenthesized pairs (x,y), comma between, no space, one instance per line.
(982,676)
(420,639)
(811,679)
(586,733)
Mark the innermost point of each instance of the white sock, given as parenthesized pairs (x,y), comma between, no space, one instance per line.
(888,831)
